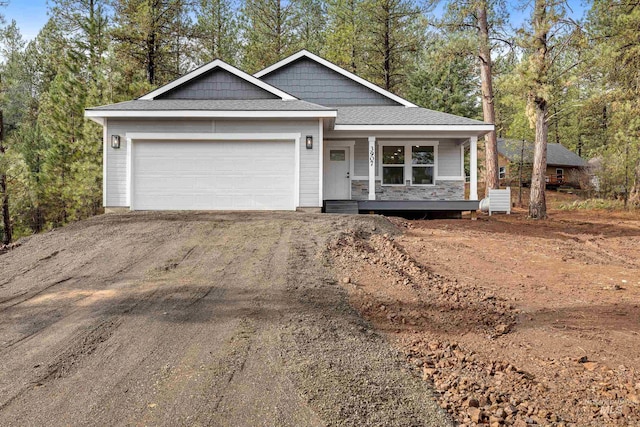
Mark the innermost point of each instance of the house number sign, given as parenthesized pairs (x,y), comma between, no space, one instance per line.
(372,156)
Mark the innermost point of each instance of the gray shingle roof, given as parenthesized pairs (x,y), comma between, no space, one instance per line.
(360,115)
(398,115)
(557,154)
(212,105)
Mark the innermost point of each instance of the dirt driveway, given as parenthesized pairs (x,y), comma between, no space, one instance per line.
(195,319)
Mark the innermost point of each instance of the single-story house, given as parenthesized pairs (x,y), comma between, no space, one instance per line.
(564,167)
(295,135)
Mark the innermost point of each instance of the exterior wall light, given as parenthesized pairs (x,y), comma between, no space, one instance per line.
(115,141)
(309,142)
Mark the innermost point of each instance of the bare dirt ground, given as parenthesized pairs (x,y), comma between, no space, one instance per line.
(196,319)
(515,322)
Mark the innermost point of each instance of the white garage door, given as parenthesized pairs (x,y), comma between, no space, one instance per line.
(213,175)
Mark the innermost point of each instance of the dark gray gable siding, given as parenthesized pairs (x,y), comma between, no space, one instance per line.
(307,80)
(217,84)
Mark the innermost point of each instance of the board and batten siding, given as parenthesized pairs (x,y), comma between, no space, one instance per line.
(449,157)
(116,168)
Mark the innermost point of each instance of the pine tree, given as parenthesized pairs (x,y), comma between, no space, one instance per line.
(216,32)
(484,19)
(310,22)
(543,72)
(396,29)
(445,78)
(63,128)
(85,23)
(268,29)
(144,32)
(346,36)
(4,190)
(615,61)
(12,106)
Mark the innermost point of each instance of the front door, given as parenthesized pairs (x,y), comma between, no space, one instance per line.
(337,182)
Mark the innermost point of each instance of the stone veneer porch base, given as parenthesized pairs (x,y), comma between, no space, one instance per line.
(443,190)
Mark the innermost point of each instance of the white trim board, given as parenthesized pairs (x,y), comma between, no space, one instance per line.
(151,136)
(390,134)
(320,145)
(450,178)
(212,136)
(208,113)
(363,178)
(451,128)
(334,67)
(105,158)
(218,63)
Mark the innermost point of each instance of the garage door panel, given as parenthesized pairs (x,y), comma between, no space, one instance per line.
(211,175)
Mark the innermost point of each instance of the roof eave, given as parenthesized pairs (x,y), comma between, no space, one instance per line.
(100,114)
(479,129)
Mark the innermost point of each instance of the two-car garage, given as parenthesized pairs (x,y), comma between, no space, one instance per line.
(213,174)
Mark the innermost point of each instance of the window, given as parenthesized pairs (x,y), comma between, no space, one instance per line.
(393,165)
(422,164)
(502,174)
(336,155)
(409,162)
(560,173)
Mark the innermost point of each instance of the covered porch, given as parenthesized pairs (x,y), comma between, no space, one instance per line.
(399,171)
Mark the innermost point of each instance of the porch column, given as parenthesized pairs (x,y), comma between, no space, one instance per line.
(372,168)
(473,166)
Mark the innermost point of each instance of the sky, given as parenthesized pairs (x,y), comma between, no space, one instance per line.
(31,15)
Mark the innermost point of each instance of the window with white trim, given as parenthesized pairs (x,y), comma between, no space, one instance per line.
(422,165)
(502,173)
(393,164)
(413,162)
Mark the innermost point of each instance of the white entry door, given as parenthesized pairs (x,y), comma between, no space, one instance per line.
(337,182)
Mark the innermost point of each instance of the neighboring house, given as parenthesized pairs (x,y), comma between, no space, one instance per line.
(564,167)
(292,136)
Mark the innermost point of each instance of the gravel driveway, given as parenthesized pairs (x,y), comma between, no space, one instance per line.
(195,319)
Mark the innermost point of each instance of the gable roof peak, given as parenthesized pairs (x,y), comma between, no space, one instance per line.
(306,54)
(217,63)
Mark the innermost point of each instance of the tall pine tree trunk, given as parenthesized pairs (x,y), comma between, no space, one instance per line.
(488,107)
(635,191)
(6,219)
(151,57)
(387,46)
(537,201)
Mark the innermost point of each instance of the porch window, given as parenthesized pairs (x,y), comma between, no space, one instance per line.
(415,162)
(393,160)
(422,164)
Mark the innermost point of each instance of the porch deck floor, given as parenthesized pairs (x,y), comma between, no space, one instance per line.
(419,205)
(406,208)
